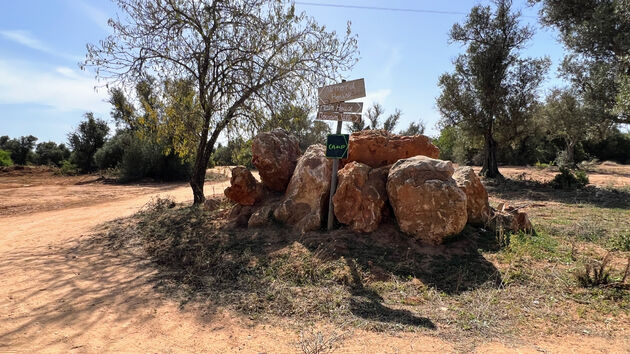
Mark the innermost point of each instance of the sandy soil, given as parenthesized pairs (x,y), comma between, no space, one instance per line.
(61,292)
(604,175)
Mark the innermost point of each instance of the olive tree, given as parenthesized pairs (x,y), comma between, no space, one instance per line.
(241,56)
(491,88)
(565,117)
(598,35)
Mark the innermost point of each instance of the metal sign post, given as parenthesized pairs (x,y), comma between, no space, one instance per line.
(333,107)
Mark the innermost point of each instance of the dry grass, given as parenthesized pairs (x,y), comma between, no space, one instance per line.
(475,285)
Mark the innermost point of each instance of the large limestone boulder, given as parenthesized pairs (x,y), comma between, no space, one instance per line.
(306,197)
(361,196)
(426,200)
(244,189)
(477,203)
(378,148)
(275,155)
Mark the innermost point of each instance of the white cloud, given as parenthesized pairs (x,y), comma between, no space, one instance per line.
(26,39)
(379,96)
(98,16)
(392,61)
(67,72)
(62,88)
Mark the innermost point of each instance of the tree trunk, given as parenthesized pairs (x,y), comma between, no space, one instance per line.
(490,168)
(199,175)
(571,154)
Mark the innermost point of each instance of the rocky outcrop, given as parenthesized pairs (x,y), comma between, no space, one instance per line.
(275,155)
(263,214)
(361,196)
(261,217)
(377,148)
(509,219)
(244,188)
(476,195)
(306,197)
(239,215)
(426,200)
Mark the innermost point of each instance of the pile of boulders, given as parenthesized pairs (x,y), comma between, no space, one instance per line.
(430,199)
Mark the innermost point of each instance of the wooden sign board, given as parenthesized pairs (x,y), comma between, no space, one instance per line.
(337,146)
(342,107)
(344,91)
(346,117)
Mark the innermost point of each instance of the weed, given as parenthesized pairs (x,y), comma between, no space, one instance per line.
(595,274)
(312,342)
(620,241)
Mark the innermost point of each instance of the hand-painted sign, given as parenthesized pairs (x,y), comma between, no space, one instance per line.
(337,146)
(342,107)
(346,117)
(344,91)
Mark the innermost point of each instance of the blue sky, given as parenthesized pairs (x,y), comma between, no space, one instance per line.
(43,92)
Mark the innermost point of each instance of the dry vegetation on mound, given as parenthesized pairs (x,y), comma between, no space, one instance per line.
(385,282)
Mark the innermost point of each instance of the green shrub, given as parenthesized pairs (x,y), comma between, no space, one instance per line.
(621,241)
(68,168)
(541,165)
(582,178)
(49,153)
(5,158)
(568,180)
(134,159)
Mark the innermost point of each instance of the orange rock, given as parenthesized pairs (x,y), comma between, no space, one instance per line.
(426,200)
(244,189)
(476,195)
(275,155)
(508,218)
(360,196)
(306,198)
(377,148)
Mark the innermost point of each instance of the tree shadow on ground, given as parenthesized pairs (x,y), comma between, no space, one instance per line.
(452,267)
(511,189)
(277,271)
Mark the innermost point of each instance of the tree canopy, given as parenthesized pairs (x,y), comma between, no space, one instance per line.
(491,90)
(598,34)
(239,56)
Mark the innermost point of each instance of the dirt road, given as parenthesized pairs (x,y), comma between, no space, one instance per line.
(63,293)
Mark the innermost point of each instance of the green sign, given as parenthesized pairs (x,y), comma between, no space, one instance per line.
(337,146)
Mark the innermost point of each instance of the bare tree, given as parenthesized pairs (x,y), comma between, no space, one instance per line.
(241,55)
(373,116)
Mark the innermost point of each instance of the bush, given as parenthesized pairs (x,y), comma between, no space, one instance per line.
(111,154)
(541,165)
(237,152)
(21,149)
(5,158)
(134,158)
(568,180)
(621,241)
(616,147)
(49,153)
(68,168)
